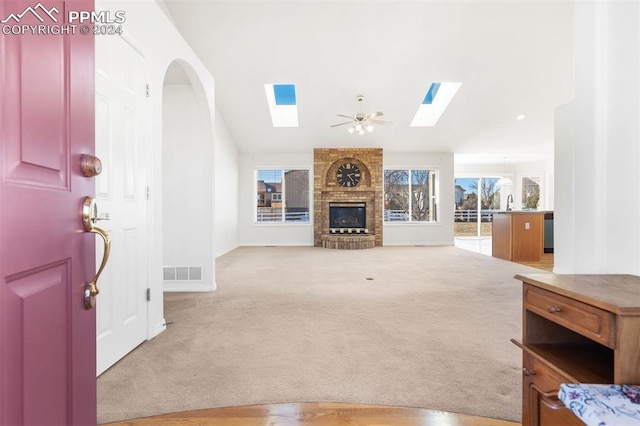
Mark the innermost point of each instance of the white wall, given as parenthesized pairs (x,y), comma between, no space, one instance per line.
(252,234)
(415,233)
(187,230)
(226,189)
(161,43)
(606,204)
(270,234)
(563,229)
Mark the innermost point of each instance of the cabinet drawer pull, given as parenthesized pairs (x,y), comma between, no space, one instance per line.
(554,309)
(528,372)
(550,398)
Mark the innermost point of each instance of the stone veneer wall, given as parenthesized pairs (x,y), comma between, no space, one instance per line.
(327,190)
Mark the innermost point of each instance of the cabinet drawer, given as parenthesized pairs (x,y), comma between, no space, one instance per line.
(541,391)
(543,377)
(587,320)
(553,413)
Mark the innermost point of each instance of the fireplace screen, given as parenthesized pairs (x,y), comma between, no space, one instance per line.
(347,215)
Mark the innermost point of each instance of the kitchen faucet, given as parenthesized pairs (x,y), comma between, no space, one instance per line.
(509,201)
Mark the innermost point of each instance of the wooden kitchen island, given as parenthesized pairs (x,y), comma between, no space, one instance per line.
(518,235)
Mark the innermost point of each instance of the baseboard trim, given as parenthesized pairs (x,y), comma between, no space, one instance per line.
(418,243)
(177,286)
(159,328)
(277,245)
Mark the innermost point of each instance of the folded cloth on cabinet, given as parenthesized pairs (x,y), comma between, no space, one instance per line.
(603,405)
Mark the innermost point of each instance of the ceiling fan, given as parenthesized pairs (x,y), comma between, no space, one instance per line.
(362,121)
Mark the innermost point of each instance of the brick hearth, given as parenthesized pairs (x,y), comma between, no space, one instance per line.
(348,242)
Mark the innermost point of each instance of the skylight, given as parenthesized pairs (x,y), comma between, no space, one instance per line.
(285,94)
(434,104)
(431,94)
(281,99)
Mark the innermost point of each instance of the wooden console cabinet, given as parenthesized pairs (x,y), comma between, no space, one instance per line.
(576,329)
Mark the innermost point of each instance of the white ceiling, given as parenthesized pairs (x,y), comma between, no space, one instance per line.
(512,56)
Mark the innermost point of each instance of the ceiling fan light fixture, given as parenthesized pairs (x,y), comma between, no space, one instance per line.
(360,122)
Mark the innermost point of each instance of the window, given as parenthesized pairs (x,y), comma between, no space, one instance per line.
(282,195)
(476,200)
(410,195)
(530,192)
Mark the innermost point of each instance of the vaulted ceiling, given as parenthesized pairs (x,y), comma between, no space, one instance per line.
(512,56)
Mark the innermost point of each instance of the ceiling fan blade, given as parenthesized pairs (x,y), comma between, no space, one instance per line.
(381,122)
(341,124)
(345,116)
(375,114)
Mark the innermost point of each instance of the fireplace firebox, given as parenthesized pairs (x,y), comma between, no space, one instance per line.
(348,218)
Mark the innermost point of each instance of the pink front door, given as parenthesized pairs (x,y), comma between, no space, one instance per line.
(47,338)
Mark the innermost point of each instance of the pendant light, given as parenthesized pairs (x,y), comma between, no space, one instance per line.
(504,181)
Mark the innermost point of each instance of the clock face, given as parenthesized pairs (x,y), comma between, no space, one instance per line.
(348,175)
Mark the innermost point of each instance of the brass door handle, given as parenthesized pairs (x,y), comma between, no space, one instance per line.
(89,217)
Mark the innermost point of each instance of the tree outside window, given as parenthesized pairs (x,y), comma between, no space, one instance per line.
(410,195)
(476,199)
(530,192)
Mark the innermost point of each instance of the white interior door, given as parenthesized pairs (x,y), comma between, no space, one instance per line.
(122,143)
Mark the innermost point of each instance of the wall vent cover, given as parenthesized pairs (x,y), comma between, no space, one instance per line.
(182,273)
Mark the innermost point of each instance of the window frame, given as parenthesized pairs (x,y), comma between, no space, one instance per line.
(479,212)
(521,188)
(434,186)
(282,221)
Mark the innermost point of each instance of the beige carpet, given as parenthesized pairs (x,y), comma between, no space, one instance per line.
(421,327)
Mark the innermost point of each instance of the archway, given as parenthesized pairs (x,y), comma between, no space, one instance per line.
(187,182)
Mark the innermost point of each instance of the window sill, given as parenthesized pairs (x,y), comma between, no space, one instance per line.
(399,223)
(272,224)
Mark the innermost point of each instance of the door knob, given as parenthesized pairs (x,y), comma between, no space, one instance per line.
(90,165)
(89,217)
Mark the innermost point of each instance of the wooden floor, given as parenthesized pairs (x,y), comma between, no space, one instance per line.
(545,262)
(319,414)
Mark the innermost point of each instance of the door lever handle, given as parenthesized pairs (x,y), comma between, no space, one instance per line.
(89,217)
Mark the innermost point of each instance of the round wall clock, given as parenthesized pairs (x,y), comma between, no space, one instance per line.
(348,175)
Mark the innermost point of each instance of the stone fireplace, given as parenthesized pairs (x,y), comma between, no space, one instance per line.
(347,215)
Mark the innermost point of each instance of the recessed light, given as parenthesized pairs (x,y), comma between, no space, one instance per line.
(521,116)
